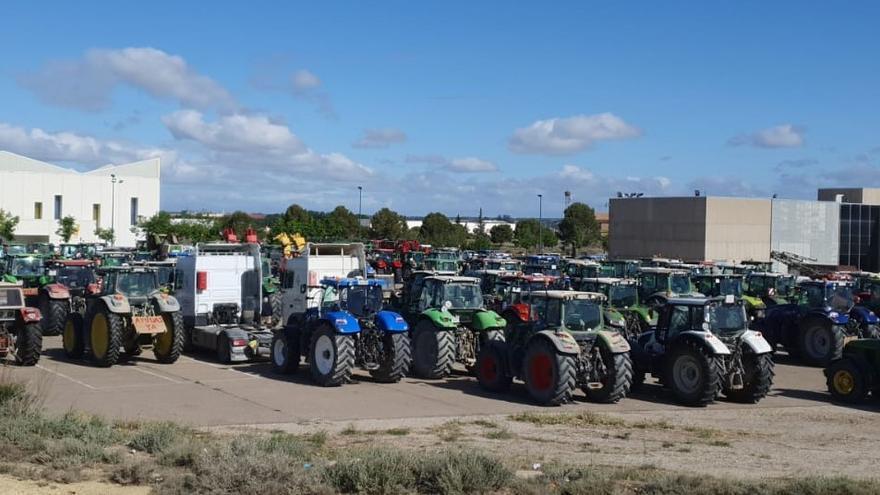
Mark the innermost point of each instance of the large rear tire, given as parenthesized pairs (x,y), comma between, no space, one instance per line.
(285,352)
(846,381)
(168,345)
(491,368)
(757,380)
(433,351)
(694,374)
(396,360)
(28,344)
(820,342)
(277,305)
(55,316)
(549,375)
(105,337)
(73,339)
(331,357)
(617,380)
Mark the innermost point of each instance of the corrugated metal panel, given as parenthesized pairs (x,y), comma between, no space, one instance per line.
(807,228)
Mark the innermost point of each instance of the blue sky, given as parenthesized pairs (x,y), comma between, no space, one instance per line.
(449,106)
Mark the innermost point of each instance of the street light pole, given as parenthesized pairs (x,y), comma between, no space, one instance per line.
(540,224)
(360,195)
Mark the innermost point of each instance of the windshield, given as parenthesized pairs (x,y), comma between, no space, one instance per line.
(784,285)
(26,267)
(679,283)
(136,284)
(731,286)
(361,300)
(726,318)
(114,260)
(165,275)
(581,314)
(462,296)
(623,296)
(75,277)
(839,298)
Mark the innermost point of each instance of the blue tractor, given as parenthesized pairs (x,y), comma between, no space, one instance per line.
(347,328)
(815,324)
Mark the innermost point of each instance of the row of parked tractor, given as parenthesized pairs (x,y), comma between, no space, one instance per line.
(557,324)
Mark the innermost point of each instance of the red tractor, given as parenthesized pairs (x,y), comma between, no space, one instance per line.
(72,281)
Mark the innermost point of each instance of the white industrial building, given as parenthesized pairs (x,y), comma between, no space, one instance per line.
(40,194)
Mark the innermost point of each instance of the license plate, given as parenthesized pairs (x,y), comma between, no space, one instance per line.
(148,324)
(32,291)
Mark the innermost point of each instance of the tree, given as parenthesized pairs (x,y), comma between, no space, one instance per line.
(296,213)
(579,227)
(388,224)
(67,227)
(105,235)
(343,224)
(501,233)
(8,223)
(527,234)
(437,230)
(479,241)
(238,221)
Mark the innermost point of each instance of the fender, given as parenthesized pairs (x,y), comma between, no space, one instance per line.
(706,339)
(614,318)
(644,314)
(57,291)
(488,320)
(614,341)
(167,303)
(389,321)
(30,315)
(342,321)
(116,303)
(753,302)
(863,315)
(562,341)
(440,319)
(756,342)
(834,317)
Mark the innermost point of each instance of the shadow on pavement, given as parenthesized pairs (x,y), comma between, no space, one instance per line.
(869,405)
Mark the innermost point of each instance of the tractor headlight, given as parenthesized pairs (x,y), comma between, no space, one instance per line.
(833,314)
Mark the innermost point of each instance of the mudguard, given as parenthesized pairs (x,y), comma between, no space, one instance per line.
(863,315)
(562,341)
(389,321)
(833,316)
(707,339)
(440,318)
(488,320)
(756,342)
(753,302)
(614,318)
(57,291)
(30,315)
(645,314)
(167,303)
(116,303)
(342,321)
(614,341)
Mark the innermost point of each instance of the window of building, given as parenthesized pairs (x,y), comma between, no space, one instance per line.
(58,205)
(38,210)
(96,215)
(134,211)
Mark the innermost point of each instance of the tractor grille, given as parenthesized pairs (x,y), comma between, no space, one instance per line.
(7,314)
(10,297)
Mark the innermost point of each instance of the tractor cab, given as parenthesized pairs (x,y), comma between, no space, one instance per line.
(623,268)
(574,312)
(504,265)
(78,276)
(543,264)
(110,259)
(79,250)
(718,285)
(361,297)
(29,270)
(723,317)
(622,307)
(166,273)
(442,264)
(772,288)
(136,284)
(456,294)
(578,270)
(658,284)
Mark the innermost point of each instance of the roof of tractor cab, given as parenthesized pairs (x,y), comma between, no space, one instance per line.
(352,282)
(670,271)
(73,262)
(718,275)
(769,274)
(567,294)
(455,278)
(583,263)
(609,280)
(698,301)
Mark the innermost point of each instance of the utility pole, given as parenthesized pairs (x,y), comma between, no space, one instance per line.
(360,196)
(540,224)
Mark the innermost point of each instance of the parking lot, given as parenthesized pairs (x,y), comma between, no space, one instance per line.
(198,391)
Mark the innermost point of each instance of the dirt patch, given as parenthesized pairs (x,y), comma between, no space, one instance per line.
(10,484)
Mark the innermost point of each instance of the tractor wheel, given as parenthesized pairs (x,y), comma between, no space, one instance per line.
(492,372)
(617,380)
(821,343)
(433,351)
(28,344)
(168,345)
(870,332)
(397,358)
(549,375)
(285,352)
(277,305)
(694,374)
(105,336)
(757,380)
(846,381)
(73,339)
(331,357)
(55,316)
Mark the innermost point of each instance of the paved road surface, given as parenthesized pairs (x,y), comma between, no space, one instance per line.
(198,391)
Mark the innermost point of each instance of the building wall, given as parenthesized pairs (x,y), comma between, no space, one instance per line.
(807,228)
(668,227)
(26,182)
(860,236)
(737,229)
(850,194)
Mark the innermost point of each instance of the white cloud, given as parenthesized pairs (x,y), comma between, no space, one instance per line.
(304,80)
(781,136)
(380,138)
(429,159)
(561,136)
(88,82)
(471,165)
(237,132)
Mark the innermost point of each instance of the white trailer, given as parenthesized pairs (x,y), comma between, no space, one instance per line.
(219,287)
(301,276)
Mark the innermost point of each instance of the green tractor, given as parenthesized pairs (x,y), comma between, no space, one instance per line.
(129,314)
(442,263)
(272,305)
(561,344)
(622,302)
(622,268)
(657,285)
(771,288)
(729,284)
(856,373)
(449,323)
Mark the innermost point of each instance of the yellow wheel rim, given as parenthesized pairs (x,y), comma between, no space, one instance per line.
(844,382)
(162,342)
(69,337)
(100,336)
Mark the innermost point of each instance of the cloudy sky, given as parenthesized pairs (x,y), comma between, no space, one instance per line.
(448,106)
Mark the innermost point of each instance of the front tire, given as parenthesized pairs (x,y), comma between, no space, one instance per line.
(821,343)
(168,345)
(28,344)
(72,338)
(331,357)
(396,360)
(285,352)
(757,380)
(549,375)
(694,374)
(433,351)
(617,380)
(105,337)
(846,381)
